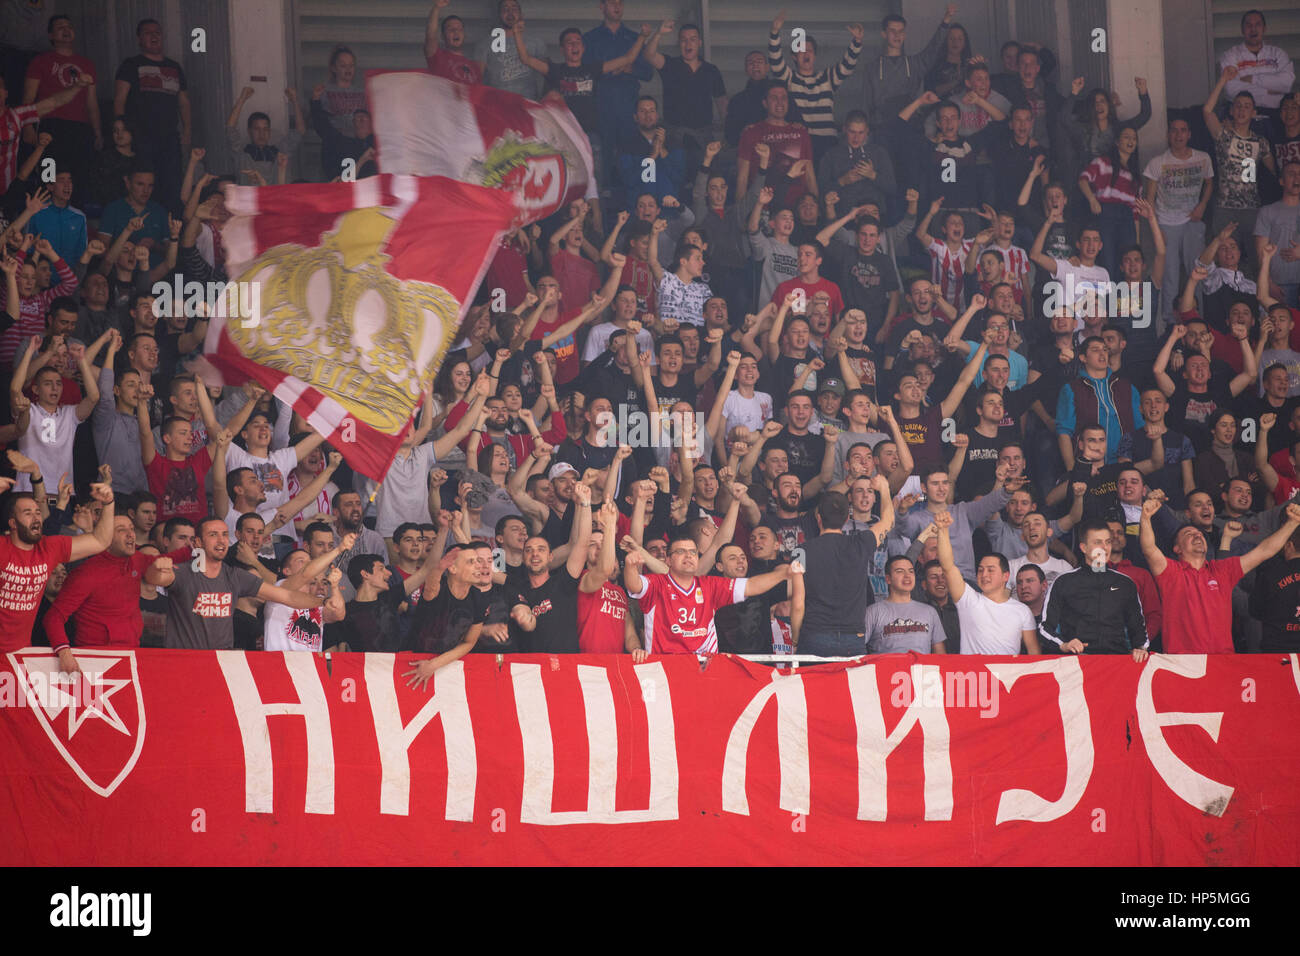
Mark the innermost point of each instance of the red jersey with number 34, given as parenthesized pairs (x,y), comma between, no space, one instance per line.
(680,620)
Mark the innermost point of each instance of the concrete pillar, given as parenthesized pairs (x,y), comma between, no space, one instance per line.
(261,59)
(1135,40)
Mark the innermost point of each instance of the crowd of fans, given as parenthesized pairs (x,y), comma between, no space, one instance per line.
(905,382)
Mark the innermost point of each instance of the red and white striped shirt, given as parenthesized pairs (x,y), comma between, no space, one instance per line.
(1109,185)
(1015,263)
(948,269)
(31,311)
(12,122)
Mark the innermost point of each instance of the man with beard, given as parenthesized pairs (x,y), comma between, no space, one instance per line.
(103,594)
(544,604)
(348,511)
(451,613)
(201,600)
(934,587)
(1196,592)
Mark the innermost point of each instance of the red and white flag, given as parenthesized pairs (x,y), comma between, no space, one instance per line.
(429,126)
(356,289)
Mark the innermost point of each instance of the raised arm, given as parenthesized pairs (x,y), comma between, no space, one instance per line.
(1207,108)
(964,381)
(1156,560)
(1274,542)
(956,585)
(923,227)
(1045,262)
(86,545)
(1162,360)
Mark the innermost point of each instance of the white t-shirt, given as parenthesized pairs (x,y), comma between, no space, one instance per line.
(1086,279)
(48,442)
(273,470)
(749,412)
(1178,184)
(266,513)
(287,628)
(598,339)
(988,627)
(1052,568)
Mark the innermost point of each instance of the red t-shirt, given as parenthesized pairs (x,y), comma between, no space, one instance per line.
(22,582)
(509,271)
(1198,606)
(600,620)
(566,350)
(811,289)
(178,485)
(578,277)
(55,72)
(789,144)
(637,274)
(454,66)
(680,621)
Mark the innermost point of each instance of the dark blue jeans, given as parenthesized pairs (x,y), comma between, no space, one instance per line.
(832,643)
(1117,234)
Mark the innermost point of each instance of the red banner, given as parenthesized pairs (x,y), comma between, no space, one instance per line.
(185,757)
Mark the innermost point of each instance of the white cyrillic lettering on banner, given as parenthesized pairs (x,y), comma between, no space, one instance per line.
(1200,791)
(875,746)
(602,743)
(791,746)
(1079,754)
(255,730)
(446,701)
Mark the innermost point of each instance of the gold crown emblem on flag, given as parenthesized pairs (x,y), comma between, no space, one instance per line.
(332,315)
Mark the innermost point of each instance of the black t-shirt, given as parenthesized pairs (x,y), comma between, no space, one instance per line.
(683,391)
(1190,412)
(792,532)
(689,94)
(152,105)
(805,453)
(500,600)
(979,470)
(937,327)
(746,626)
(1274,601)
(373,625)
(577,84)
(442,622)
(554,604)
(558,528)
(782,373)
(863,361)
(865,281)
(838,590)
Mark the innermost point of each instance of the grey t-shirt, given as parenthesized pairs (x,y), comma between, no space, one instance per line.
(898,628)
(1280,224)
(200,608)
(503,69)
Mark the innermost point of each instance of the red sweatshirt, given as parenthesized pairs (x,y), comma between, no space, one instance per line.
(103,593)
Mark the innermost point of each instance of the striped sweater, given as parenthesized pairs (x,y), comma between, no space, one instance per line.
(813,96)
(31,318)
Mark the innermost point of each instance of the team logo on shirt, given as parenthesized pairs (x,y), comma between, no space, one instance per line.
(303,628)
(96,722)
(209,604)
